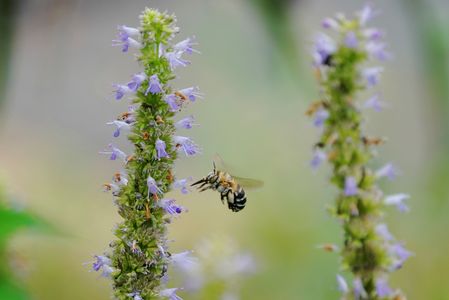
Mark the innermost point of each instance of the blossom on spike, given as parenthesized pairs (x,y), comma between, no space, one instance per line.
(377,50)
(181,184)
(186,46)
(135,296)
(184,260)
(351,40)
(359,290)
(324,47)
(170,294)
(318,157)
(321,116)
(330,23)
(374,103)
(119,126)
(121,91)
(160,149)
(350,186)
(382,230)
(191,93)
(128,31)
(120,178)
(152,187)
(401,255)
(382,288)
(186,144)
(170,207)
(342,284)
(154,85)
(125,40)
(398,200)
(372,75)
(175,60)
(389,171)
(115,153)
(137,81)
(104,263)
(185,123)
(172,101)
(366,14)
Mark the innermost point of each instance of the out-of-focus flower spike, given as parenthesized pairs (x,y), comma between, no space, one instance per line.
(398,200)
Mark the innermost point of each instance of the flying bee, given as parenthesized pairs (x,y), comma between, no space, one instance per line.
(230,187)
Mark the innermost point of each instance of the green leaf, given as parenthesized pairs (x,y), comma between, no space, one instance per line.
(10,291)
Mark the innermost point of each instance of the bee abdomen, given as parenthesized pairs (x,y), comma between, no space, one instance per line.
(239,201)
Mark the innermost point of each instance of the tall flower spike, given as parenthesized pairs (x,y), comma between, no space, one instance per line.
(370,252)
(138,259)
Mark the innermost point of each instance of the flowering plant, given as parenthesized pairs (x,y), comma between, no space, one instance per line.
(369,250)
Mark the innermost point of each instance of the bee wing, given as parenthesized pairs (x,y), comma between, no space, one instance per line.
(219,163)
(249,183)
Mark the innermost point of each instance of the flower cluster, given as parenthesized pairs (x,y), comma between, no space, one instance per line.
(139,259)
(344,68)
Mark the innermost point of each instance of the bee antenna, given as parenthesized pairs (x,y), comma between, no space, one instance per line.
(214,166)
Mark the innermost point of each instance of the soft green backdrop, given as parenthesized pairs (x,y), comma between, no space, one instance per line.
(58,99)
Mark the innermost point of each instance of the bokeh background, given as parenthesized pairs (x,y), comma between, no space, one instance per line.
(57,67)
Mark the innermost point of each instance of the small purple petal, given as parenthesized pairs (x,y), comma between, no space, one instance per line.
(372,75)
(170,207)
(186,123)
(121,91)
(342,285)
(114,152)
(382,231)
(137,81)
(321,116)
(181,184)
(359,290)
(119,126)
(154,86)
(330,23)
(351,40)
(172,101)
(366,14)
(323,48)
(186,46)
(389,171)
(170,294)
(398,200)
(152,187)
(318,157)
(189,147)
(374,103)
(192,93)
(350,186)
(175,60)
(184,260)
(160,149)
(382,288)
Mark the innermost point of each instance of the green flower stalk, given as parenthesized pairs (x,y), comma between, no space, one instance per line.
(369,250)
(138,259)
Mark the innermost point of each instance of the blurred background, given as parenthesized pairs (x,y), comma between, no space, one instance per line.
(57,69)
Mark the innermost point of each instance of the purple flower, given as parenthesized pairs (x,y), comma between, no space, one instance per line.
(330,23)
(119,126)
(350,186)
(372,34)
(191,93)
(184,260)
(318,157)
(121,91)
(382,288)
(324,47)
(374,103)
(125,40)
(398,200)
(120,178)
(186,46)
(104,263)
(135,296)
(170,294)
(154,86)
(186,123)
(321,116)
(111,187)
(128,31)
(170,207)
(152,187)
(359,290)
(181,184)
(389,171)
(342,285)
(172,101)
(366,14)
(382,230)
(115,152)
(351,40)
(160,149)
(372,75)
(189,147)
(377,50)
(137,81)
(175,60)
(401,254)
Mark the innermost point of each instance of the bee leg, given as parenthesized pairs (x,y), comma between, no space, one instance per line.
(205,188)
(202,180)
